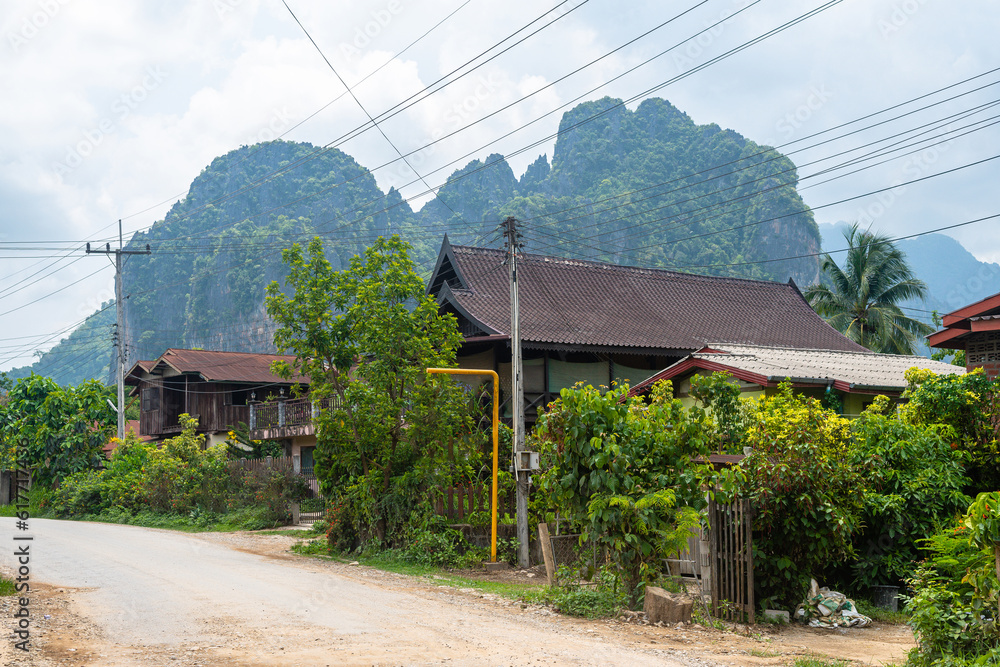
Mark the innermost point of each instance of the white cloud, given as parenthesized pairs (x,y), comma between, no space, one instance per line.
(229,72)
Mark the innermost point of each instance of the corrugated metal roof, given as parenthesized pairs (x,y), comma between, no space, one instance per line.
(214,366)
(579,303)
(858,369)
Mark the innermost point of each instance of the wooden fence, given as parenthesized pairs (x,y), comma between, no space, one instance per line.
(458,502)
(732,561)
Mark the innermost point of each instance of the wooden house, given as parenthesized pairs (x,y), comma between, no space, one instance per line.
(975,329)
(601,323)
(215,387)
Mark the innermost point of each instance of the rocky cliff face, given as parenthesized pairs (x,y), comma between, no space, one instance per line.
(647,187)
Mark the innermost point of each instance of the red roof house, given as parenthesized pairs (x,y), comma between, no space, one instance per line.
(975,329)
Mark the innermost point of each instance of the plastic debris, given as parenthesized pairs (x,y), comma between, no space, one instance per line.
(829,609)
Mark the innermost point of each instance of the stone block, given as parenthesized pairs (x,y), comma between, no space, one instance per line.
(665,607)
(779,615)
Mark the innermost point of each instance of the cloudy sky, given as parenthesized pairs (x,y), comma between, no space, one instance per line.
(112,107)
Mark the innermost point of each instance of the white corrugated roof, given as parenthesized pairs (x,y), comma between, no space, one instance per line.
(861,369)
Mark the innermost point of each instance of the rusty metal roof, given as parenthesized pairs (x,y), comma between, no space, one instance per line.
(214,366)
(584,304)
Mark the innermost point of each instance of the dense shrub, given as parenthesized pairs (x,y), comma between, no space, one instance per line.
(806,491)
(954,606)
(920,481)
(180,478)
(625,473)
(969,404)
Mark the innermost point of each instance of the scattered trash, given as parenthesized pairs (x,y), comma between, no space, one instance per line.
(829,609)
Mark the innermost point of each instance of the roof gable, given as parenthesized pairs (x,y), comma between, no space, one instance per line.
(216,366)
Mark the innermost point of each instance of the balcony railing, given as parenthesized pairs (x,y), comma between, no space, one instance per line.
(284,414)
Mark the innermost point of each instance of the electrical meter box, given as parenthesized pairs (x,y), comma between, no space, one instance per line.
(527,460)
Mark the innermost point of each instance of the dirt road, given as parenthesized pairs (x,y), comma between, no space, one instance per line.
(121,595)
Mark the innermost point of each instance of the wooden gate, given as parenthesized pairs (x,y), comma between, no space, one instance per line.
(732,561)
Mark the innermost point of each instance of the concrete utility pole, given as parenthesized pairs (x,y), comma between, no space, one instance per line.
(120,319)
(517,395)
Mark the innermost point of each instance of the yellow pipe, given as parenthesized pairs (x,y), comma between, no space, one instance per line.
(496,436)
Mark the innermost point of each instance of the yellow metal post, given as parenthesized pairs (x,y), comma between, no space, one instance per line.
(496,435)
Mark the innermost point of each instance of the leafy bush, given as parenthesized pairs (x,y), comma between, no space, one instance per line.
(620,469)
(954,607)
(806,492)
(969,404)
(920,480)
(179,479)
(600,598)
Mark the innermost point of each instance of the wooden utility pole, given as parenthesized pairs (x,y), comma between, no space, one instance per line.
(517,394)
(120,319)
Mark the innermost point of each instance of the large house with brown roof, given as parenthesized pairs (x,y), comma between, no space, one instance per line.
(601,323)
(976,329)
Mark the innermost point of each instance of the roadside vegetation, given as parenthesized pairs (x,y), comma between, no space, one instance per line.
(901,496)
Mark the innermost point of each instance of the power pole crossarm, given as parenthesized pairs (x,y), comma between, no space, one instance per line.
(119,252)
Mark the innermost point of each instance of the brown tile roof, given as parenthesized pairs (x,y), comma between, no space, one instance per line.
(846,371)
(582,304)
(213,366)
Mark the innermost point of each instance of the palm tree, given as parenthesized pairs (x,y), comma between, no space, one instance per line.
(861,299)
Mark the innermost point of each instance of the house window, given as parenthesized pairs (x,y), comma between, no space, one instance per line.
(307,460)
(150,399)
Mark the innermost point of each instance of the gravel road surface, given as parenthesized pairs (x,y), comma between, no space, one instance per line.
(124,595)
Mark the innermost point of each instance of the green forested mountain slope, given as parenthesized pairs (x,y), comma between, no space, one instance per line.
(82,355)
(646,187)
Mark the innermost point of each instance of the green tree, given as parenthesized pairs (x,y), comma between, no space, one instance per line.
(625,473)
(806,492)
(862,298)
(364,337)
(55,430)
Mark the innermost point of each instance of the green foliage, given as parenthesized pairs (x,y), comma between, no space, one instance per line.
(969,404)
(862,298)
(620,468)
(54,430)
(601,598)
(6,587)
(720,394)
(953,609)
(180,478)
(365,337)
(806,493)
(920,490)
